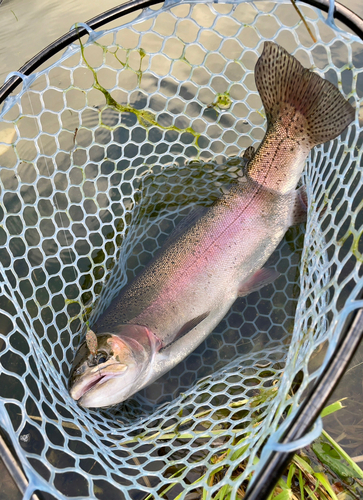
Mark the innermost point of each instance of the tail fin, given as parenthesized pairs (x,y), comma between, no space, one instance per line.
(281,79)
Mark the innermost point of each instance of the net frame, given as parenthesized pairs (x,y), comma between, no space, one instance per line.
(309,411)
(355,305)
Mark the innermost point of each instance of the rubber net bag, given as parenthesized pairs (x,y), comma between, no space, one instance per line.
(102,153)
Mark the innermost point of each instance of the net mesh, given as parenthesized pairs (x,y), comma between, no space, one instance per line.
(101,154)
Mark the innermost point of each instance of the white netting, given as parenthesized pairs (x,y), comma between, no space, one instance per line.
(101,154)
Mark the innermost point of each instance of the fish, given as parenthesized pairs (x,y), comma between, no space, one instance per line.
(217,253)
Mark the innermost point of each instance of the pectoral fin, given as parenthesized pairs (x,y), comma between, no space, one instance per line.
(299,212)
(190,325)
(263,277)
(186,328)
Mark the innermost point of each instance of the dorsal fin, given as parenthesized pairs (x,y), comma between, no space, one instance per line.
(195,214)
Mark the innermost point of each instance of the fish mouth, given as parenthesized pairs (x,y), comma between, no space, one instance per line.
(95,380)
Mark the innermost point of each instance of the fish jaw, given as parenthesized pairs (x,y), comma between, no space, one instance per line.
(86,389)
(111,390)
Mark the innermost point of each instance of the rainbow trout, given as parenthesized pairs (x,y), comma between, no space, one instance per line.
(217,254)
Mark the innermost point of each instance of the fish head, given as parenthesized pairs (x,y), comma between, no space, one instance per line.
(112,374)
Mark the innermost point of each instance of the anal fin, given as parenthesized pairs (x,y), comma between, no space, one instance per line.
(299,213)
(262,277)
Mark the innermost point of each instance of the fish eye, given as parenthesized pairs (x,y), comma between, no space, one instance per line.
(101,358)
(98,359)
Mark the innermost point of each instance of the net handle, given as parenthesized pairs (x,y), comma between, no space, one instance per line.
(310,409)
(341,13)
(14,469)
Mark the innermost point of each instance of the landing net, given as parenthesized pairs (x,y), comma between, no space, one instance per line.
(101,154)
